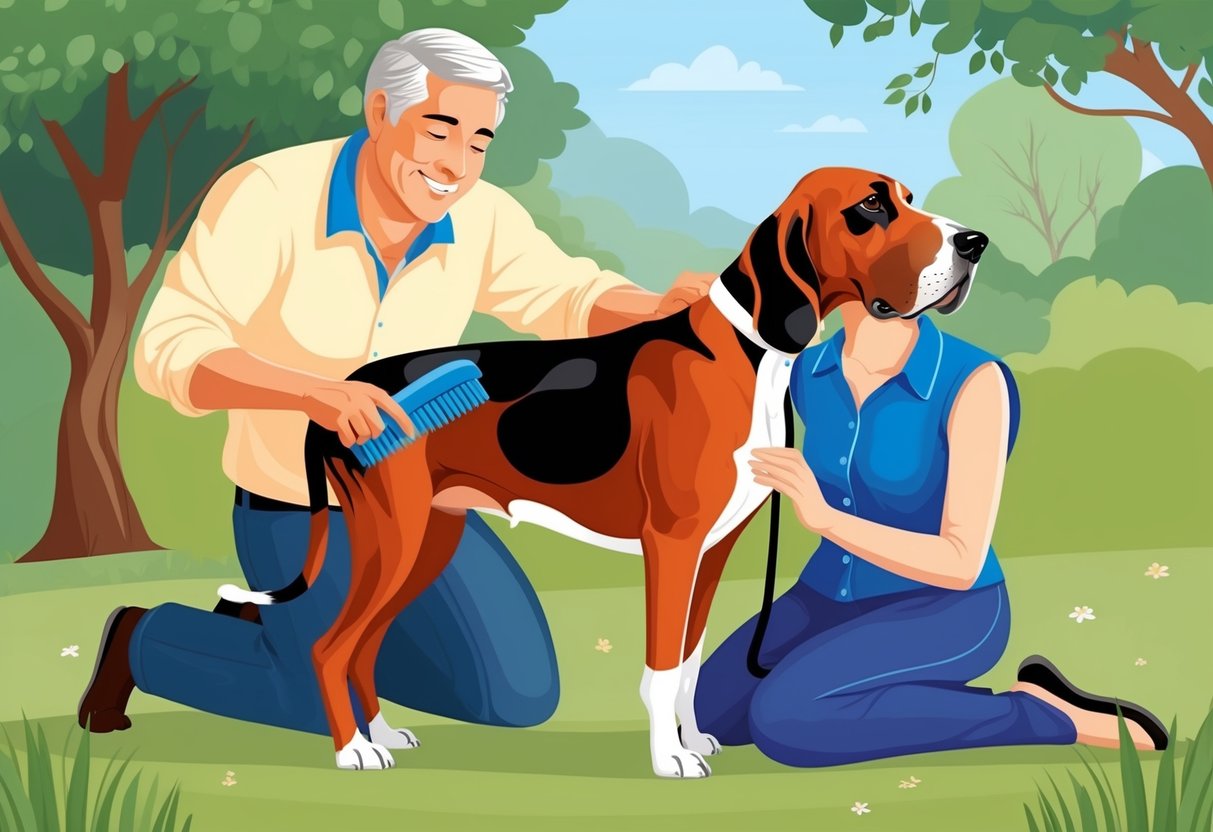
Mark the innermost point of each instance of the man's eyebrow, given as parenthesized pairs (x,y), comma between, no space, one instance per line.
(439,117)
(484,131)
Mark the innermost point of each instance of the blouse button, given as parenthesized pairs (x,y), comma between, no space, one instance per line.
(846,501)
(846,559)
(850,426)
(843,593)
(842,460)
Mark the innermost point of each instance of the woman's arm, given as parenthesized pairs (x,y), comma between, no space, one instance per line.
(977,439)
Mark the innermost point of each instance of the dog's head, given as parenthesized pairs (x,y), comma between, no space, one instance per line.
(842,235)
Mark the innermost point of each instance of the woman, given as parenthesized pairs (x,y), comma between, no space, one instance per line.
(907,432)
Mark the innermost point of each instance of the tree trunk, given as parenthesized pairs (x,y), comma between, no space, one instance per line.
(93,511)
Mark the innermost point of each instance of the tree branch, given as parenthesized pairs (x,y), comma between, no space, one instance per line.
(144,279)
(1088,111)
(81,176)
(63,314)
(144,119)
(1188,76)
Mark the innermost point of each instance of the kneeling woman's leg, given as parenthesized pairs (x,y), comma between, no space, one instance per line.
(893,681)
(725,686)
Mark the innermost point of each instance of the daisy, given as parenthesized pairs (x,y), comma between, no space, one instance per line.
(604,645)
(1157,571)
(229,780)
(1140,662)
(860,808)
(1082,614)
(72,650)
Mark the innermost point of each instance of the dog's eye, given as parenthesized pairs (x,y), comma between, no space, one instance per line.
(872,204)
(882,310)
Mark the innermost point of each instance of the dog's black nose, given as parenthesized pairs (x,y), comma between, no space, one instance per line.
(970,244)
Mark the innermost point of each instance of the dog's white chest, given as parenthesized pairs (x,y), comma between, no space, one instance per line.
(767,429)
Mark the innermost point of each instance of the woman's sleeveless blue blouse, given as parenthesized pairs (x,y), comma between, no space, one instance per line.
(888,463)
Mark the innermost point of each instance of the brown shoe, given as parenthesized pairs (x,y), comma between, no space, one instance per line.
(103,706)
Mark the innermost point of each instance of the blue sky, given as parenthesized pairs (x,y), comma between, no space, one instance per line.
(727,144)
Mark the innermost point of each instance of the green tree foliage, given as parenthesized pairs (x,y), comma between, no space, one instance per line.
(1057,43)
(1161,235)
(105,102)
(1033,176)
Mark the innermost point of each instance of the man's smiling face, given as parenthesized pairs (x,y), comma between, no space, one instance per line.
(436,150)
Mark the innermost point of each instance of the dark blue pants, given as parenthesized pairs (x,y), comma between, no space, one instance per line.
(873,678)
(474,646)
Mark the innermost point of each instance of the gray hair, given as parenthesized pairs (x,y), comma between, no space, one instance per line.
(401,66)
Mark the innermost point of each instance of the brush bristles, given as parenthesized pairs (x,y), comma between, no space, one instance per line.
(436,413)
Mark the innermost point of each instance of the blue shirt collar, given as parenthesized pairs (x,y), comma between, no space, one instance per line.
(918,373)
(342,212)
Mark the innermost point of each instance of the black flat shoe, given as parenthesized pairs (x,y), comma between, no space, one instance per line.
(1039,671)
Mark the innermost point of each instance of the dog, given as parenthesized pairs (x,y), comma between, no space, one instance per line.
(636,441)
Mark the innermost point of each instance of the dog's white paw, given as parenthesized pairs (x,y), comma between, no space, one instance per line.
(704,744)
(384,734)
(680,764)
(360,754)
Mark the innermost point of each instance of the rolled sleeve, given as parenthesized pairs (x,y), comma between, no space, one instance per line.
(226,267)
(531,285)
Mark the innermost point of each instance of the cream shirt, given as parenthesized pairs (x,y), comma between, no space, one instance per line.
(257,271)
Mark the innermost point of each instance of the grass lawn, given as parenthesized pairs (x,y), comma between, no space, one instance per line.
(588,767)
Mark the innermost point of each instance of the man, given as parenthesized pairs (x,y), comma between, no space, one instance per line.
(303,265)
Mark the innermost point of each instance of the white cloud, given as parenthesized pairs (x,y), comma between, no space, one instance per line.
(1150,163)
(827,124)
(715,69)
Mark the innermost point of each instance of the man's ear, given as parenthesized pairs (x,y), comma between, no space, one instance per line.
(376,112)
(786,299)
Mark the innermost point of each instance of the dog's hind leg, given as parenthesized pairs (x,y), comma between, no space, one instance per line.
(385,542)
(442,534)
(710,568)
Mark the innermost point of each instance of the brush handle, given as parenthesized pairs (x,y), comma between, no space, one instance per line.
(430,401)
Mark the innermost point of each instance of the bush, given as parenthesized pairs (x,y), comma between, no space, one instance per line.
(40,803)
(1088,319)
(1161,235)
(1112,456)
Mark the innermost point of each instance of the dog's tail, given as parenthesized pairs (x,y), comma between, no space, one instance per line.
(318,536)
(768,589)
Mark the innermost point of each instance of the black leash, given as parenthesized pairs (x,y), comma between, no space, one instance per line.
(768,590)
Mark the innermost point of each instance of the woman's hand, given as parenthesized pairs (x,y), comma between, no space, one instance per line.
(785,470)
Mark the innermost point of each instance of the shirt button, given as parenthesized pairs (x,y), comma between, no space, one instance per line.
(842,460)
(843,593)
(380,324)
(850,425)
(374,355)
(846,501)
(846,559)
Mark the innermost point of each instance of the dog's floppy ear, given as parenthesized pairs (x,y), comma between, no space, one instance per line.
(775,280)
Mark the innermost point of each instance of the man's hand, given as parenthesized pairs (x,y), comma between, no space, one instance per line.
(351,408)
(688,287)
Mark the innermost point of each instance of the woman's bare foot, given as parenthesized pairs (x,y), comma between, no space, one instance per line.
(1100,730)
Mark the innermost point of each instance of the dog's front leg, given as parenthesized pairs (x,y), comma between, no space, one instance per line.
(670,564)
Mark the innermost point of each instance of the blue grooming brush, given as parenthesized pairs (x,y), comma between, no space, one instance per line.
(431,401)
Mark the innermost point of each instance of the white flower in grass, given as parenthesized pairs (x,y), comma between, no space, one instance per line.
(912,783)
(1140,662)
(860,808)
(604,645)
(1157,571)
(1082,614)
(72,650)
(229,779)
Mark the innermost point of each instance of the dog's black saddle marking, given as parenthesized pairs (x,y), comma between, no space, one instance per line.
(568,419)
